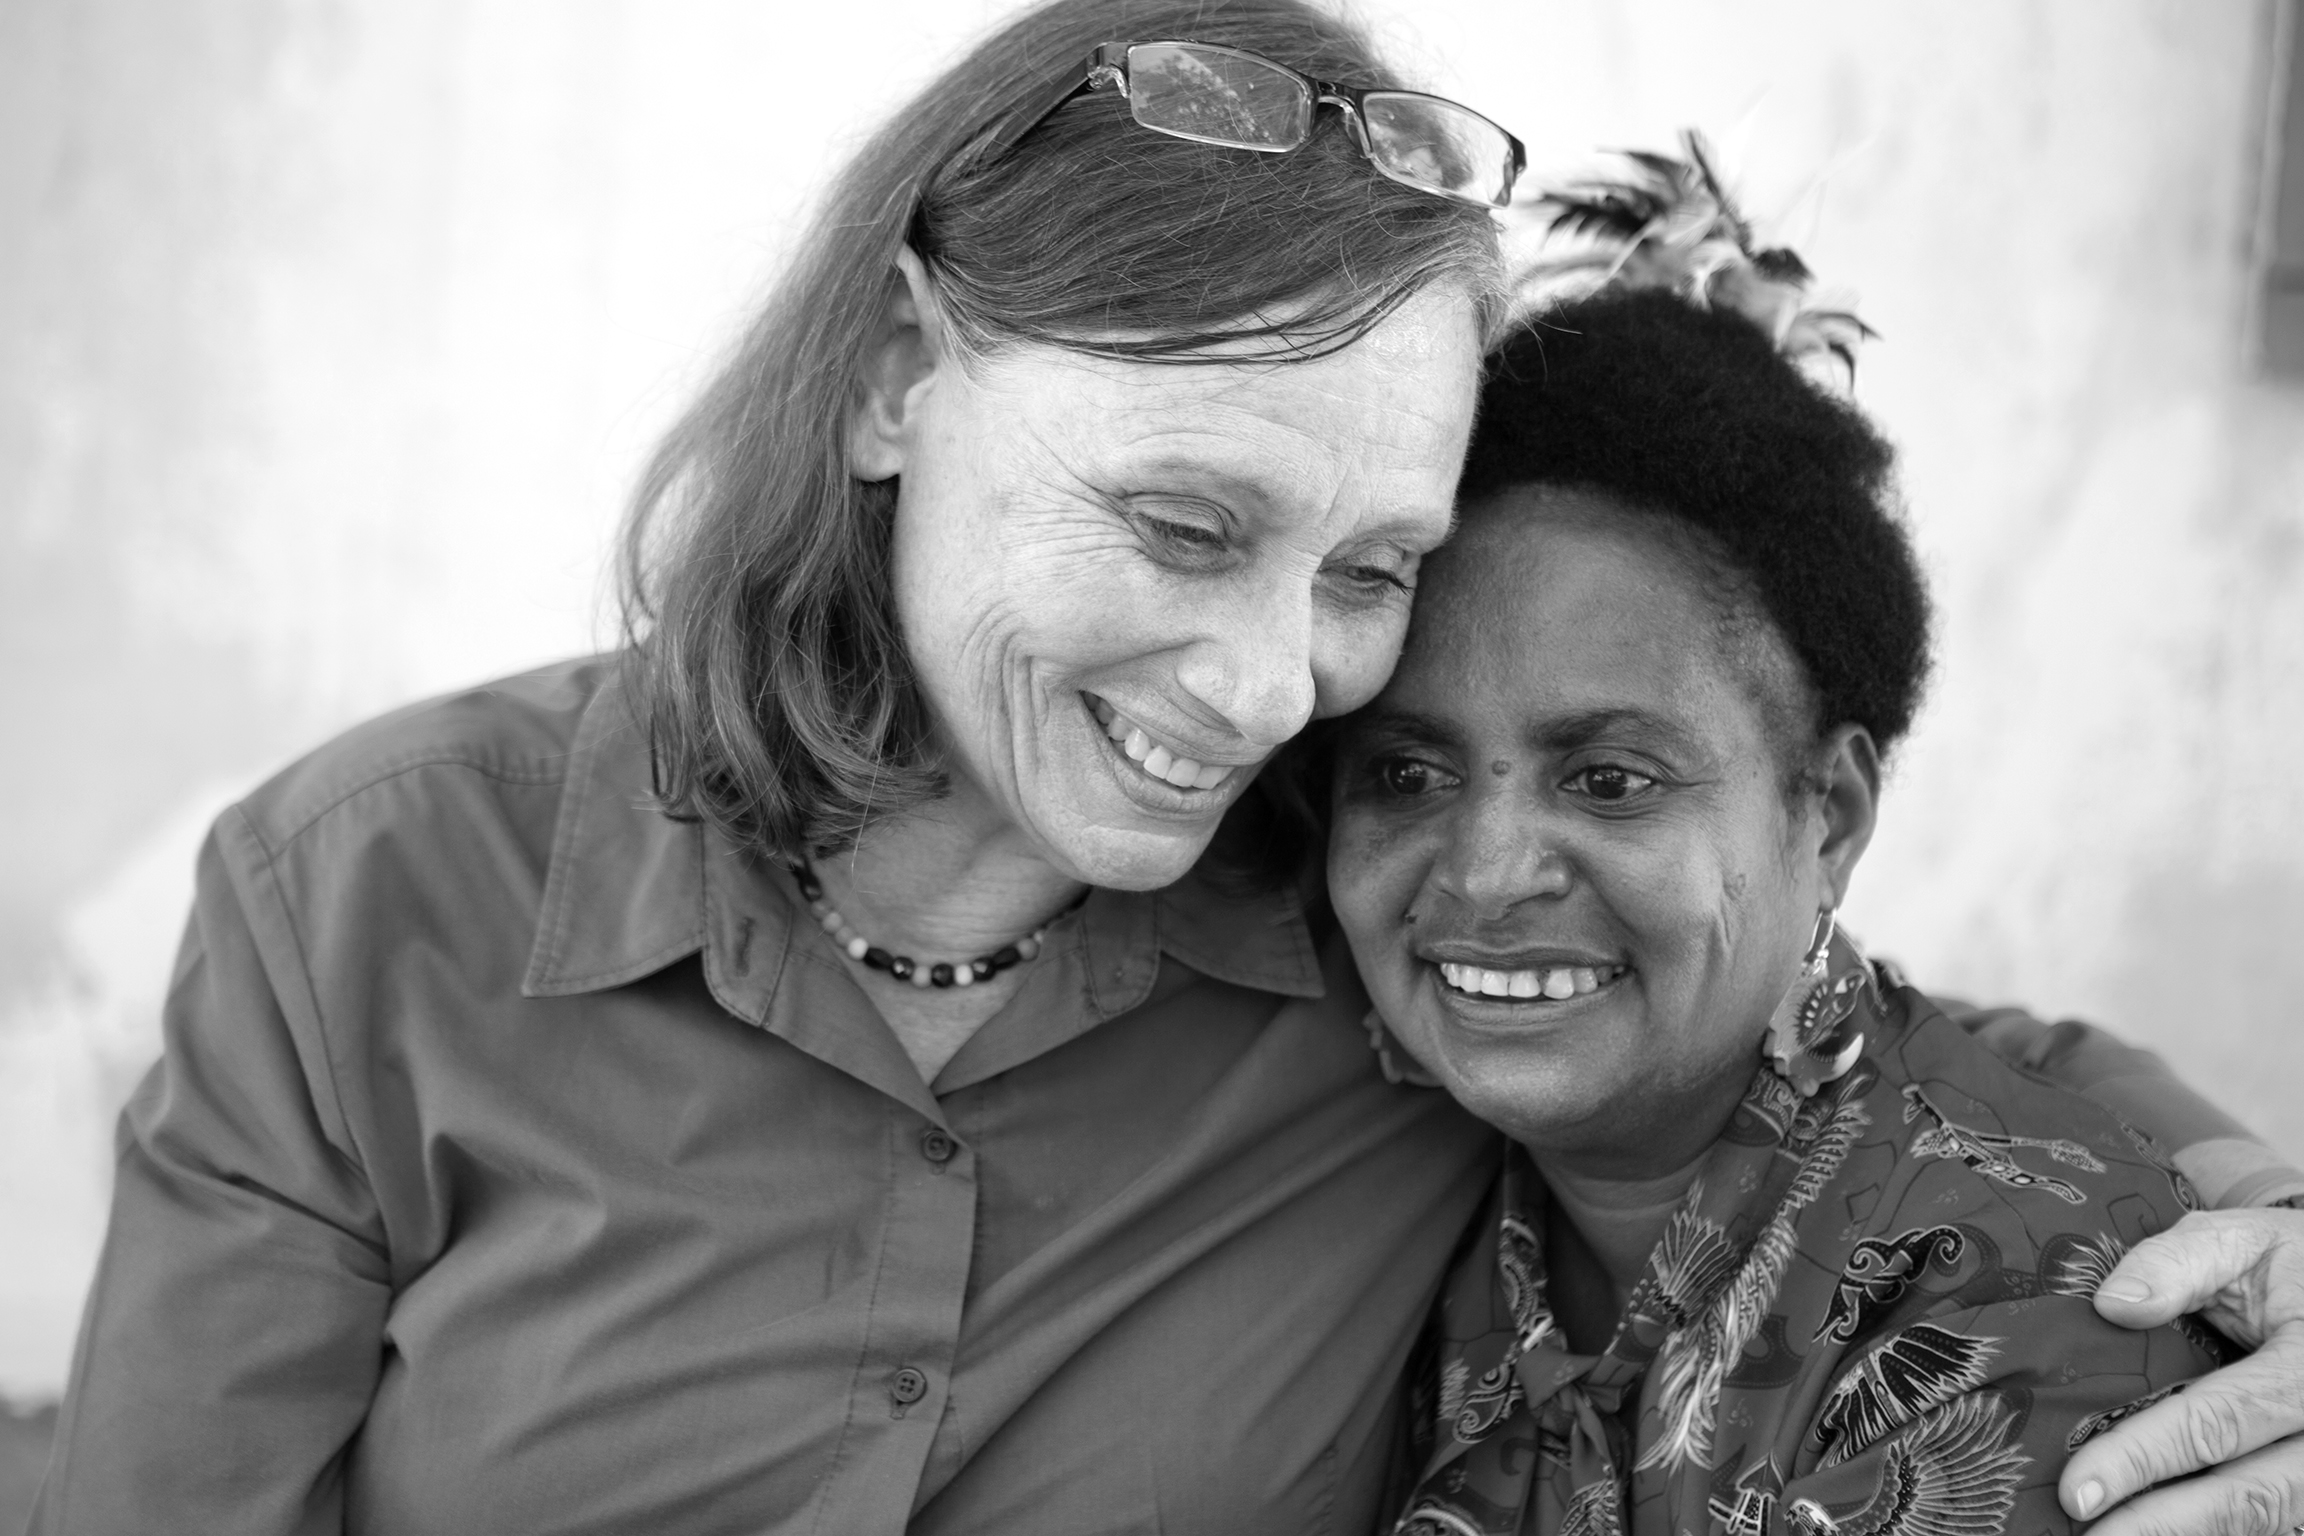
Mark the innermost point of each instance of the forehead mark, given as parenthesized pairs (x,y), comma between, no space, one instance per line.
(1500,767)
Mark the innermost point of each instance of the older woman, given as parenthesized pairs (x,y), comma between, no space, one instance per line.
(1780,1246)
(801,1073)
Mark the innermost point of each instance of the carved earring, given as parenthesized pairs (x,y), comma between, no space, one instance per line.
(1809,1040)
(1381,1042)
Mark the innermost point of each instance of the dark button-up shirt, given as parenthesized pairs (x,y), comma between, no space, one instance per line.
(523,1160)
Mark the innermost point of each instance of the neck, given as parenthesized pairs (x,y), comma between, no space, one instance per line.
(1621,1219)
(946,882)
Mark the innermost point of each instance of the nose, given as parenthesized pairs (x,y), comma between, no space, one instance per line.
(1255,668)
(1500,852)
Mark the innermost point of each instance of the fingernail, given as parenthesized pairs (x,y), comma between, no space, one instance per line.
(2090,1495)
(2125,1289)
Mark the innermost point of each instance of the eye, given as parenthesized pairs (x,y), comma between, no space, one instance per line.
(1185,535)
(1182,534)
(1373,576)
(1408,778)
(1610,783)
(1376,578)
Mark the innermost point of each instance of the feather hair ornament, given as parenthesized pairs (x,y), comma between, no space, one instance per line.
(1671,224)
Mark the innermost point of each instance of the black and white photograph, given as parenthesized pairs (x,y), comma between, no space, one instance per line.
(1174,767)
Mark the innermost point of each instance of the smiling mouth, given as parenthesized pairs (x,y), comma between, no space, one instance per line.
(1550,983)
(1153,760)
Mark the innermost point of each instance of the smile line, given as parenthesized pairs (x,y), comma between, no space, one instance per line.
(1151,758)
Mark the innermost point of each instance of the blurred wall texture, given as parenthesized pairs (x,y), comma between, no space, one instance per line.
(331,332)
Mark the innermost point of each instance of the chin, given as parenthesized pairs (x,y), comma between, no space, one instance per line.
(1536,1089)
(1102,827)
(1128,859)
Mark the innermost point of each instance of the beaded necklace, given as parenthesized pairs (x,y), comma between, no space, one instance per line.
(903,967)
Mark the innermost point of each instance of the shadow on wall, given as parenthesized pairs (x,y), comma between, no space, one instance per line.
(2220,951)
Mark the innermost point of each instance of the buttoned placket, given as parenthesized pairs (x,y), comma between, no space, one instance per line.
(760,965)
(903,1379)
(768,967)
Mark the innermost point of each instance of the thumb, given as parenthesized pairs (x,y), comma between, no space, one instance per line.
(2184,1269)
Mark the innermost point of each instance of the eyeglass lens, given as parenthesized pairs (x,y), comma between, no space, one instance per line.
(1217,96)
(1428,142)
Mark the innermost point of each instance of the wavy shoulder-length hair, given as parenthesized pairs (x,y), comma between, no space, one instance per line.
(780,703)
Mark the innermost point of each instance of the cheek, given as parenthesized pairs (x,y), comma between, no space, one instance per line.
(1353,657)
(1714,921)
(1034,595)
(1376,867)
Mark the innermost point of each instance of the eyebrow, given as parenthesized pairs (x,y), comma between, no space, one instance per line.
(1219,480)
(1561,733)
(1567,732)
(1398,722)
(1240,489)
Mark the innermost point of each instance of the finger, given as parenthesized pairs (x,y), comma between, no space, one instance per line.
(2226,1414)
(2182,1269)
(2261,1495)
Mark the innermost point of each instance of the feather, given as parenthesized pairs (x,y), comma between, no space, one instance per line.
(1913,1372)
(1670,223)
(2081,1265)
(1695,1359)
(1953,1474)
(1596,1509)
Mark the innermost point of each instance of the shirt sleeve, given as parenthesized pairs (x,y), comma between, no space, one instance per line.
(2226,1162)
(1963,1423)
(232,1339)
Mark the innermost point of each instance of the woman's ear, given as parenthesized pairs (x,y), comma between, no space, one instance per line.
(1850,805)
(900,366)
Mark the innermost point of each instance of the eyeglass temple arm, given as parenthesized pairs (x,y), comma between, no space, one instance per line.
(1009,132)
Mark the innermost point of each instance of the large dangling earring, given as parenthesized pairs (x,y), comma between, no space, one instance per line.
(1381,1042)
(1809,1040)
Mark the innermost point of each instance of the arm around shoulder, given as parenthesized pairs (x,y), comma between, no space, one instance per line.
(1964,1421)
(2225,1161)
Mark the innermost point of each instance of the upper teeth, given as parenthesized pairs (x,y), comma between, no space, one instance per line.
(1553,981)
(1157,760)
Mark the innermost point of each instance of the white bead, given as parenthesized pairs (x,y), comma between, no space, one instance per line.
(856,948)
(963,974)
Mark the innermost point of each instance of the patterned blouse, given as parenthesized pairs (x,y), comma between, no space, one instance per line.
(1870,1316)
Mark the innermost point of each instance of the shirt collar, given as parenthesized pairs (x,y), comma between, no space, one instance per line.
(623,893)
(629,890)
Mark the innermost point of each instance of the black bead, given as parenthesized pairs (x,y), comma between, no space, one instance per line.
(901,967)
(1006,957)
(940,974)
(878,958)
(983,967)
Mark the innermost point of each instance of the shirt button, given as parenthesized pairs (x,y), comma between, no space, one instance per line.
(937,1146)
(908,1386)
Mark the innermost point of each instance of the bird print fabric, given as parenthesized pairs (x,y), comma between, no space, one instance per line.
(1870,1316)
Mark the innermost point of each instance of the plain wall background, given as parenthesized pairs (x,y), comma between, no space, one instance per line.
(332,331)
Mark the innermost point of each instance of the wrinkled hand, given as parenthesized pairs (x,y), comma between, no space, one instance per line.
(2244,1271)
